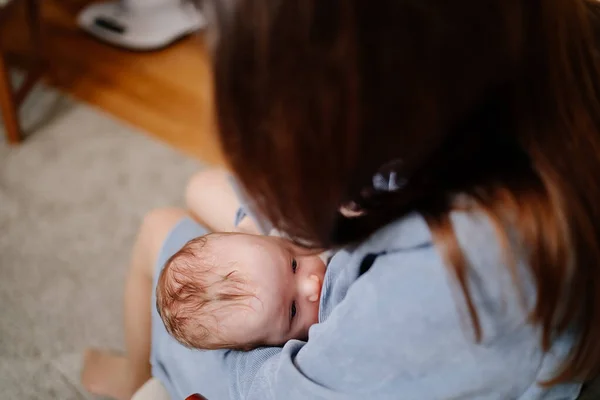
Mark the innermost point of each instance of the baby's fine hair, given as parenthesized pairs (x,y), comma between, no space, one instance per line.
(191,294)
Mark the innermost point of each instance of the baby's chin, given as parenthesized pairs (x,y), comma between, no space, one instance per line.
(304,333)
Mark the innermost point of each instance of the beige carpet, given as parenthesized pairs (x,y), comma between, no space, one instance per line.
(71,199)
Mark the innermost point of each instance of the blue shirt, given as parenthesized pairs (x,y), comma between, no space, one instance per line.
(400,329)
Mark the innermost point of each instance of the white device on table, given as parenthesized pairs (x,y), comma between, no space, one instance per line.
(141,24)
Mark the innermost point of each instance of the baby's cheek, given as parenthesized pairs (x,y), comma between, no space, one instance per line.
(311,318)
(314,313)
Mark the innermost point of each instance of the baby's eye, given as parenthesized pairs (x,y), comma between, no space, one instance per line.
(294,265)
(293,310)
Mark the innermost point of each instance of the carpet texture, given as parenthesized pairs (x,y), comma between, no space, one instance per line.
(71,199)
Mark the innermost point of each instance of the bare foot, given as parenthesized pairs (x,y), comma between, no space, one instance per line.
(106,374)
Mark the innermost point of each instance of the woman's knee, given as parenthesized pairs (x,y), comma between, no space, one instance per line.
(155,228)
(202,184)
(211,200)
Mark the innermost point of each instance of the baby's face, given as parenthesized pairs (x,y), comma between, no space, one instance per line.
(285,281)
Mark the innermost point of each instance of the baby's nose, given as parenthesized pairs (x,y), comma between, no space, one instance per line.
(311,288)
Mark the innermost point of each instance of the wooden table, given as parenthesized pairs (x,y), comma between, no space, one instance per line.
(11,98)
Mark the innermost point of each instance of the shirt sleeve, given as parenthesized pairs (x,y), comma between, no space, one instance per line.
(401,332)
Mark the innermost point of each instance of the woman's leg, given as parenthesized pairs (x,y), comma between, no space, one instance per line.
(119,376)
(213,202)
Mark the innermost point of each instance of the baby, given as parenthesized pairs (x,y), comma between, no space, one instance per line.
(240,291)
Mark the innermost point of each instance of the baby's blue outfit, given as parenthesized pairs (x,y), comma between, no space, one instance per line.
(392,325)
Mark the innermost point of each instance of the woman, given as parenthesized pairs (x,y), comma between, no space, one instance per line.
(475,273)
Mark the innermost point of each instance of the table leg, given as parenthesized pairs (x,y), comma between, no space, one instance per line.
(7,104)
(35,25)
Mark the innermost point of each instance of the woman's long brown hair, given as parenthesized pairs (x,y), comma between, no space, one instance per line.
(498,100)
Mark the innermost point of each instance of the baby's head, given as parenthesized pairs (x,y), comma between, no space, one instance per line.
(231,290)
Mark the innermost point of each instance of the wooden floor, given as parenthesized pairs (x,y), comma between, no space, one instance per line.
(165,93)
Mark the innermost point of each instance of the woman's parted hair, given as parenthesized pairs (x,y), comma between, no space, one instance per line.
(495,99)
